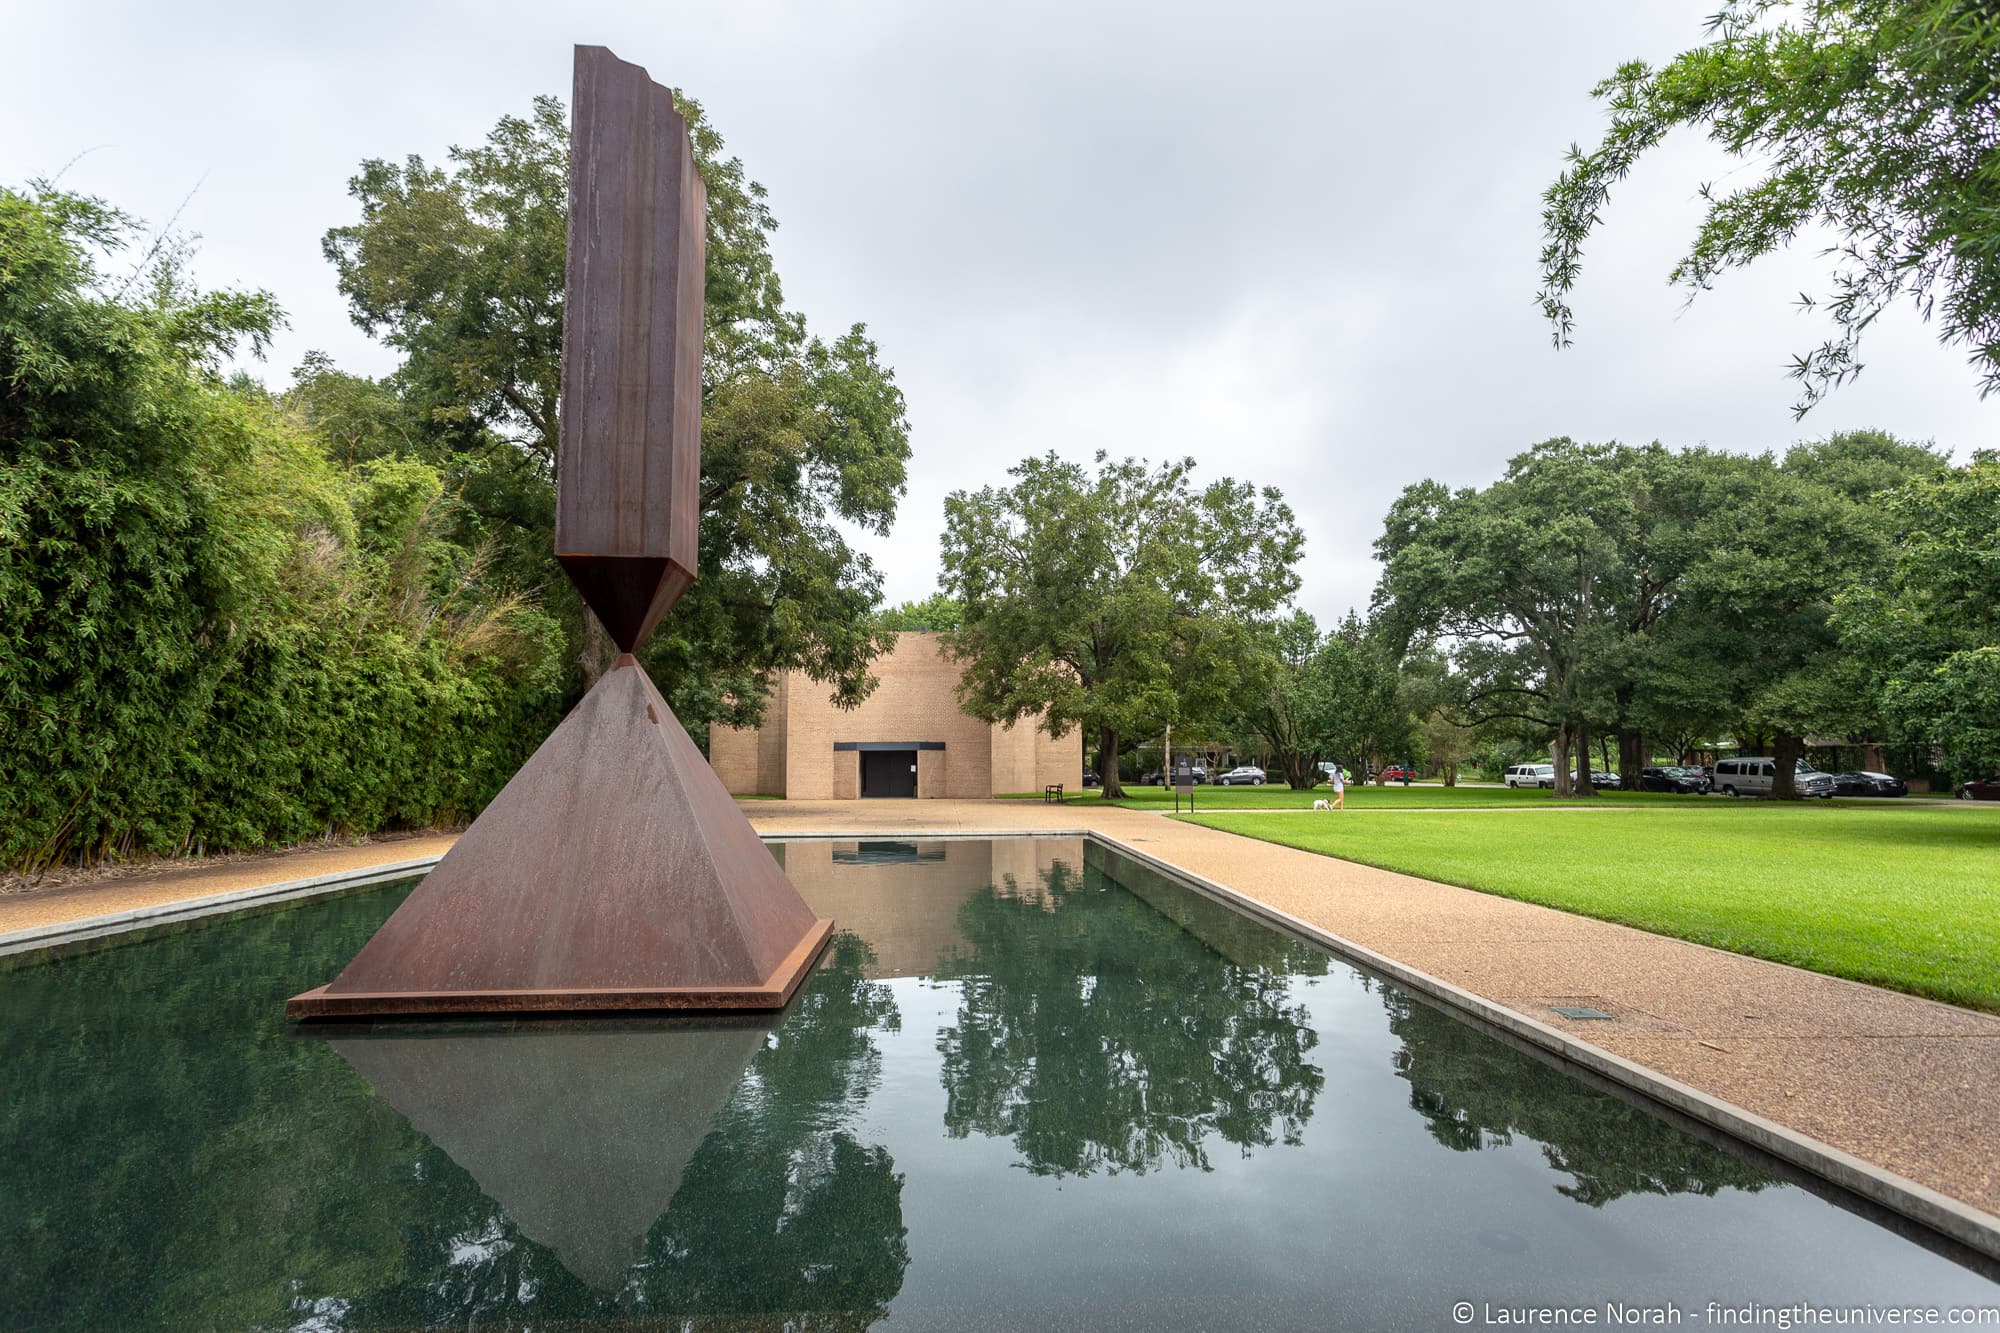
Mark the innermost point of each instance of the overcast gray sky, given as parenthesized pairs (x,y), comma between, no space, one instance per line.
(1295,241)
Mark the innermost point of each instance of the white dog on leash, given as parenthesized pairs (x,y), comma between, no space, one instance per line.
(1322,805)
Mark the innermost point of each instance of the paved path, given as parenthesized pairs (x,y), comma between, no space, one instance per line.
(1909,1084)
(48,907)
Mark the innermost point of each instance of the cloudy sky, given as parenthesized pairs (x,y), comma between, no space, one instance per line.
(1294,241)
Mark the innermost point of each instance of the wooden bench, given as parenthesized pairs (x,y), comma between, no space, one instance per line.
(1053,794)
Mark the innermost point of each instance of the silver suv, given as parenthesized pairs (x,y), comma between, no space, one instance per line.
(1755,775)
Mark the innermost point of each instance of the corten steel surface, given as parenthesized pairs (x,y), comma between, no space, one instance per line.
(629,458)
(613,872)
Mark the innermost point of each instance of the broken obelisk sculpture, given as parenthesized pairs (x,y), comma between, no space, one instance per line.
(613,872)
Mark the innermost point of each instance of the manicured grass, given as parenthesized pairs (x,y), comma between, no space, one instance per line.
(1277,796)
(1902,897)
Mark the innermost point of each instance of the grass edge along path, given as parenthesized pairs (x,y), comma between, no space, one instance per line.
(1277,796)
(1907,899)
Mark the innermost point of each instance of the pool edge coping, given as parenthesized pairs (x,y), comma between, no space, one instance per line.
(1960,1221)
(80,929)
(1953,1218)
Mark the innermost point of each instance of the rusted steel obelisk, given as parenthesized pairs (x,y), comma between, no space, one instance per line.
(613,872)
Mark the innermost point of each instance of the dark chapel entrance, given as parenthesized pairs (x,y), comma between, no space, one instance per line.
(889,772)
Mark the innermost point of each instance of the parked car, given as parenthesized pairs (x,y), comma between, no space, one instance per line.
(1865,782)
(1398,773)
(1530,775)
(1249,775)
(1158,779)
(1756,775)
(1092,780)
(1706,773)
(1980,789)
(1598,779)
(1685,781)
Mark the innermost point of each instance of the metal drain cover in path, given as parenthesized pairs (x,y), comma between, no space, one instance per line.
(1578,1011)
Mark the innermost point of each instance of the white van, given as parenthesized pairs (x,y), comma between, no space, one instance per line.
(1755,776)
(1531,775)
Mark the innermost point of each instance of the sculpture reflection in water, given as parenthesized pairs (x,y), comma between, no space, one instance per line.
(1109,1031)
(689,1167)
(1475,1093)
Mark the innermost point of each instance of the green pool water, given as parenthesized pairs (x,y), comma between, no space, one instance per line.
(1029,1085)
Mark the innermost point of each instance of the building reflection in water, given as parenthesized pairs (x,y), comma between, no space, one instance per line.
(1098,1030)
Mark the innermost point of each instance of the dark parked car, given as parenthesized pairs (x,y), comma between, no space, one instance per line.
(1092,780)
(1683,780)
(1866,783)
(1158,779)
(1598,779)
(1980,789)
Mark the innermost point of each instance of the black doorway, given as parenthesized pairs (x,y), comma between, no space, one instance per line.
(889,772)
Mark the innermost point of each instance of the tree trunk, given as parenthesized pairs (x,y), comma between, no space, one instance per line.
(1785,750)
(1451,776)
(1632,757)
(1562,778)
(1301,770)
(1582,785)
(1107,764)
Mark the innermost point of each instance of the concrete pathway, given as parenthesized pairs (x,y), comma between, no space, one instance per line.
(1906,1083)
(28,909)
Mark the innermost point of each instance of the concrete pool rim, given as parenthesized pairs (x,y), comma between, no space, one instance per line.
(1934,1211)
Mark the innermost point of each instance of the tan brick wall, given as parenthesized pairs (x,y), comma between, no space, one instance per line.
(732,753)
(1059,759)
(933,770)
(915,701)
(752,763)
(1013,758)
(771,740)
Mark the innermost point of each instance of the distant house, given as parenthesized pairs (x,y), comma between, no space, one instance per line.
(908,738)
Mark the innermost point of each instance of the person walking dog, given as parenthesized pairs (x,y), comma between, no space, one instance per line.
(1339,788)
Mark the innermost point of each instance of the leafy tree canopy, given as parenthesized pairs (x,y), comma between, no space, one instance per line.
(1122,601)
(212,633)
(1333,697)
(1876,119)
(937,613)
(1646,591)
(1931,635)
(460,267)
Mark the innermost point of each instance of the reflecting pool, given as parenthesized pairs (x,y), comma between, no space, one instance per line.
(1029,1085)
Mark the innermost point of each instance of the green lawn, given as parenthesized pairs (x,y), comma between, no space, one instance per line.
(1897,896)
(1277,796)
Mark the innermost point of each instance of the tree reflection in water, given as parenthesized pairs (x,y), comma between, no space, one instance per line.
(1101,1033)
(1475,1092)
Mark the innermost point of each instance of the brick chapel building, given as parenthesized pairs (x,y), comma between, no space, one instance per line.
(908,738)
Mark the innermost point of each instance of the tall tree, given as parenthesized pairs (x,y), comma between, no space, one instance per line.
(1523,578)
(1122,601)
(1432,697)
(1929,635)
(1878,120)
(460,267)
(1788,537)
(1314,697)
